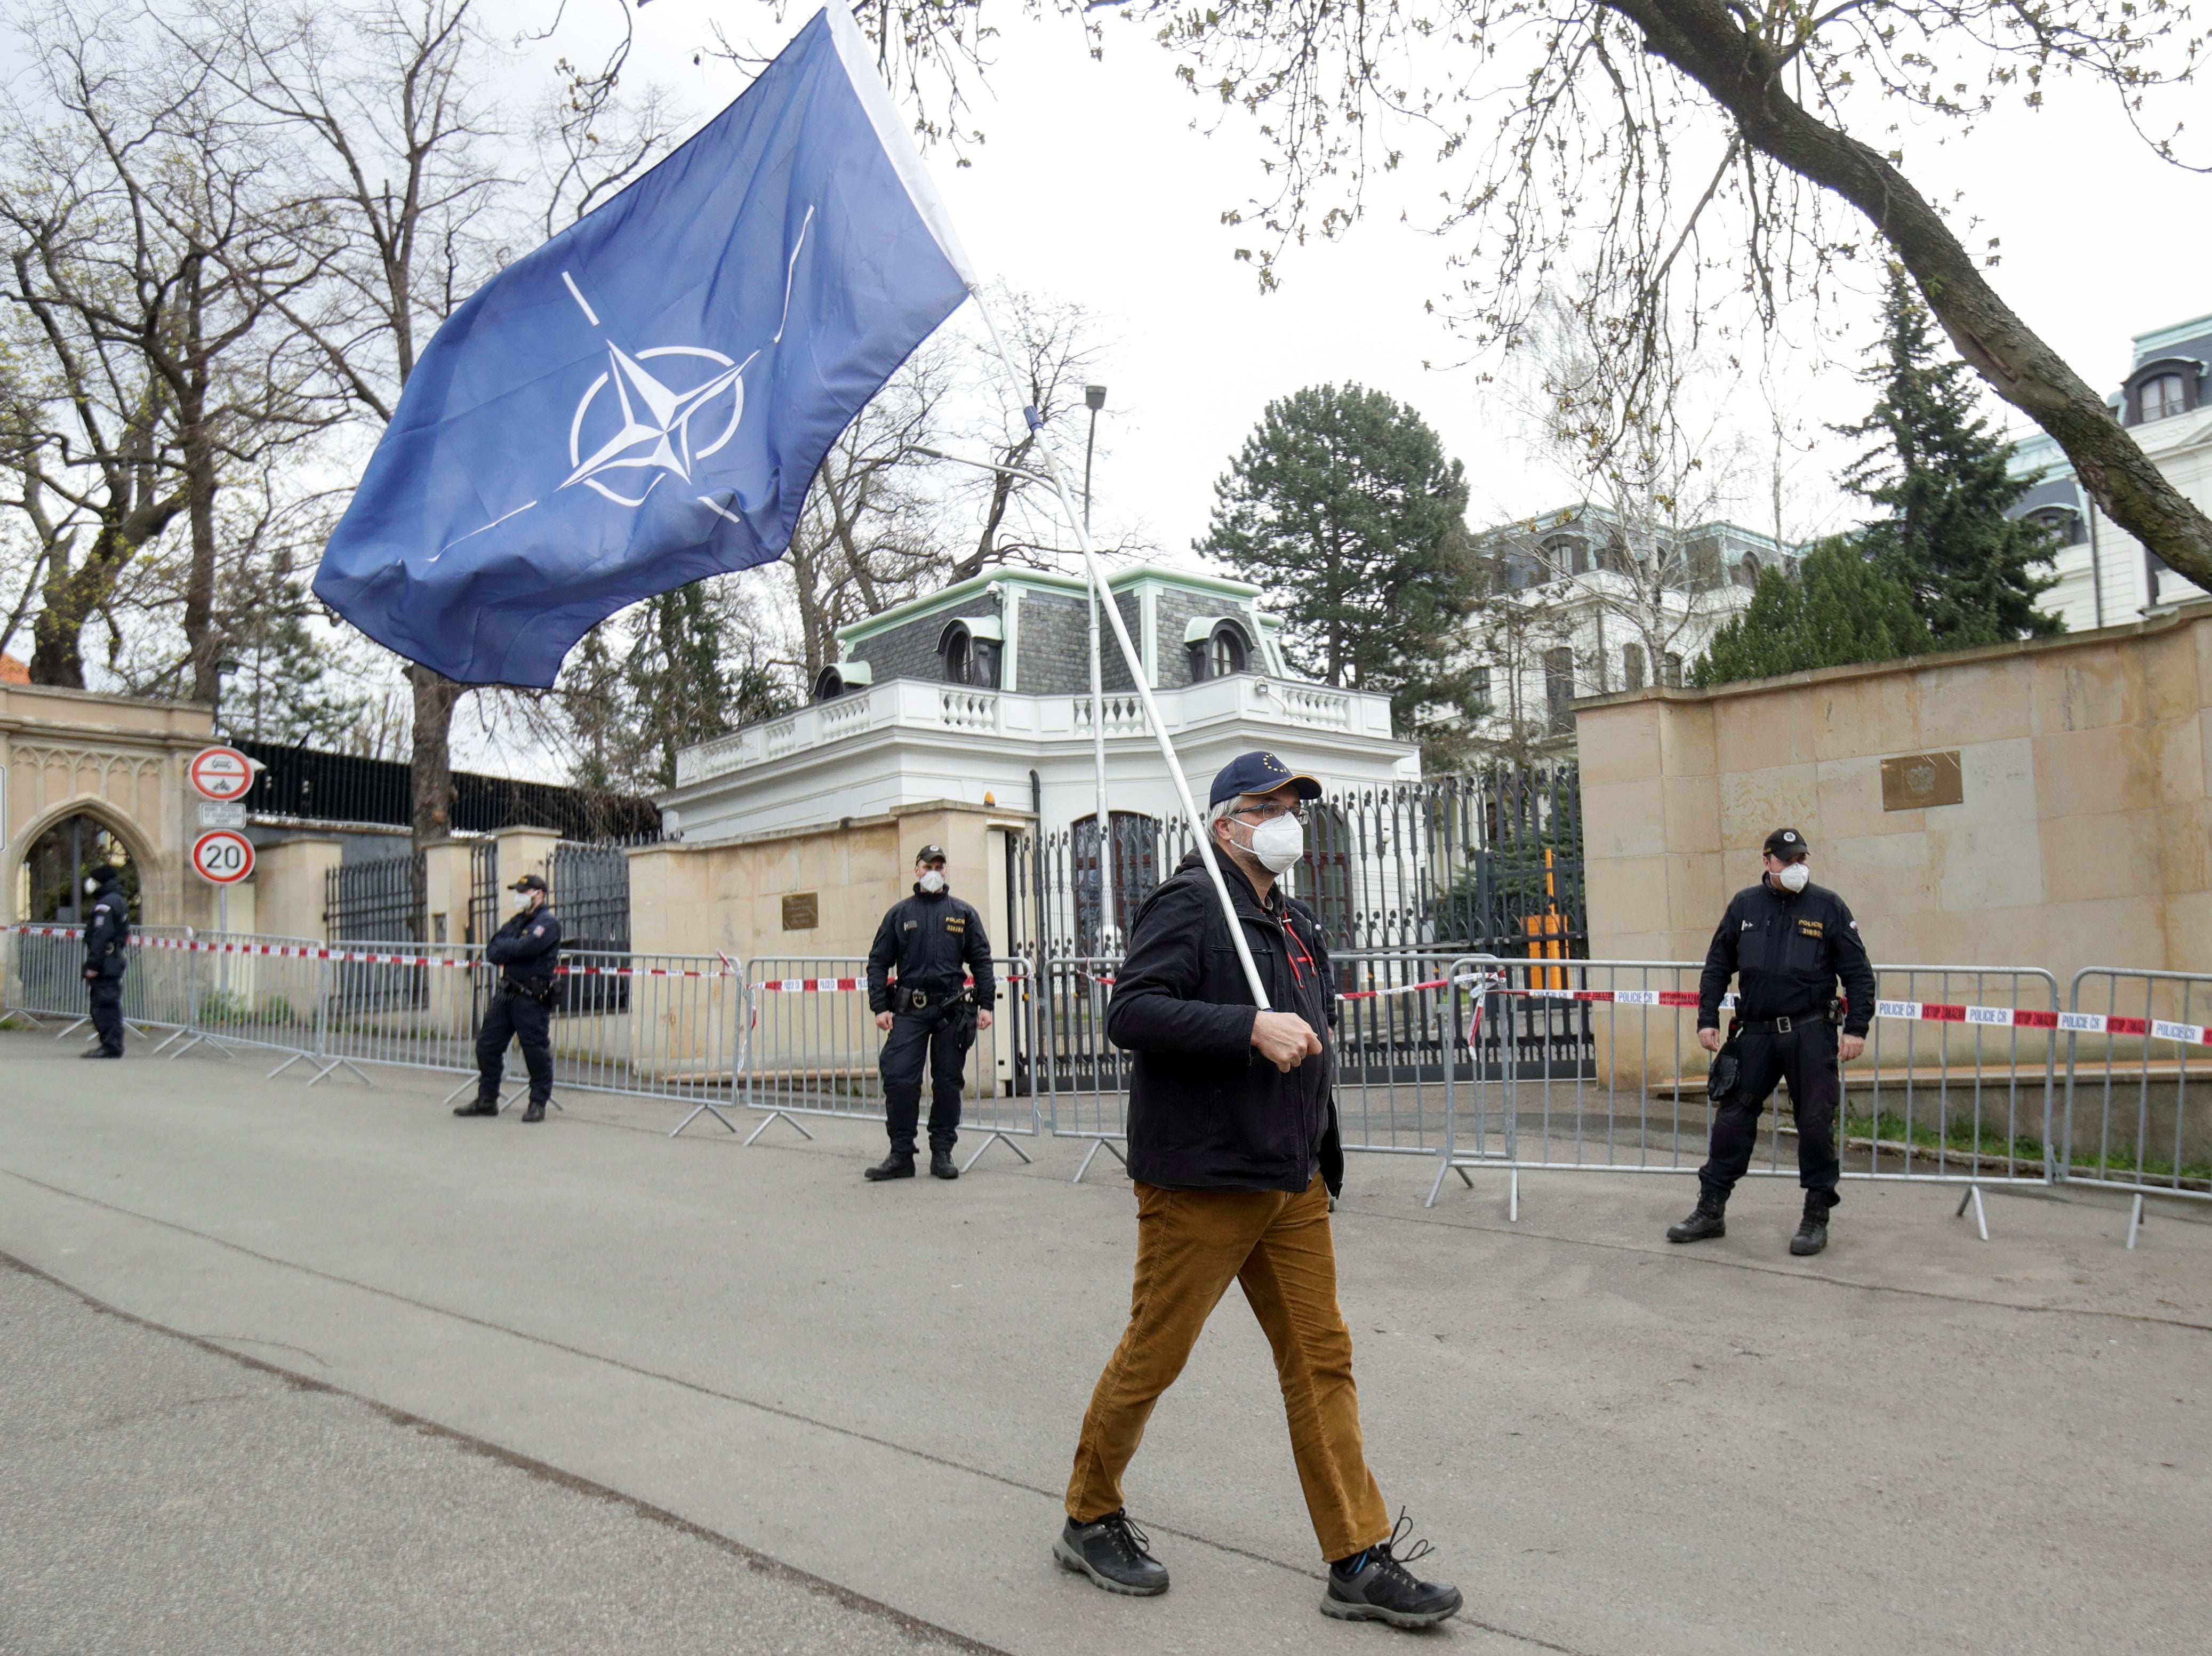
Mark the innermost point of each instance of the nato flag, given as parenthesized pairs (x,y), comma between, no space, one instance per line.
(644,399)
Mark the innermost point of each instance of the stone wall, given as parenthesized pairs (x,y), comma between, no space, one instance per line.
(2078,836)
(119,760)
(730,897)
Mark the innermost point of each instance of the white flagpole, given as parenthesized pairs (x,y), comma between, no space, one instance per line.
(1096,573)
(1108,931)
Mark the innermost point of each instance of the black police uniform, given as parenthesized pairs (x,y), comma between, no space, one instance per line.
(106,959)
(1787,951)
(528,948)
(935,941)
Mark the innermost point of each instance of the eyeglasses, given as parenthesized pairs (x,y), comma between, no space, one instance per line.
(1270,810)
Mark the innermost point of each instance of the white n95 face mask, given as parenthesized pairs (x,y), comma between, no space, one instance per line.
(932,882)
(92,888)
(1796,878)
(1278,842)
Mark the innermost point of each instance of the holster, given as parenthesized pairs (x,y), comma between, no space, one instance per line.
(1727,1068)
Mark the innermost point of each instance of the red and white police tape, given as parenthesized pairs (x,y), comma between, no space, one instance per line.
(365,957)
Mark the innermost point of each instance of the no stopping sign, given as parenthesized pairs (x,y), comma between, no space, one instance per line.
(222,856)
(220,774)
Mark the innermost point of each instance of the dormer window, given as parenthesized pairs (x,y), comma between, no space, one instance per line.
(969,652)
(1567,555)
(842,678)
(1219,648)
(2062,523)
(2163,396)
(2161,390)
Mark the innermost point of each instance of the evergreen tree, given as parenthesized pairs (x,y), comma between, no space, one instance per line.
(1839,610)
(628,713)
(1343,510)
(1940,475)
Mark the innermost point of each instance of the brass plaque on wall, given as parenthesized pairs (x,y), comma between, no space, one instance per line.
(802,910)
(1920,780)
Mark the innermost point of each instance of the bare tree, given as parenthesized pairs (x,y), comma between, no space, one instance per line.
(387,109)
(875,532)
(1614,137)
(1054,347)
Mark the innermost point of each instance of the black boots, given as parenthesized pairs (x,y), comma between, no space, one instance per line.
(942,1165)
(898,1164)
(1113,1553)
(536,1113)
(480,1107)
(1812,1230)
(1706,1221)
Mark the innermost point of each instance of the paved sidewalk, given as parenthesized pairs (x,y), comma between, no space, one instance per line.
(164,1497)
(1618,1446)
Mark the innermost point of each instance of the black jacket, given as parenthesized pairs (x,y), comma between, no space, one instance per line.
(1205,1111)
(107,931)
(936,941)
(528,946)
(1787,953)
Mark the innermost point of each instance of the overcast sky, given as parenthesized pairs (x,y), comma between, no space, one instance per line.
(1093,187)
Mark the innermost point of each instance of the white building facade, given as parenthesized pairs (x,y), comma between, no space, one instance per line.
(980,695)
(2105,575)
(1584,604)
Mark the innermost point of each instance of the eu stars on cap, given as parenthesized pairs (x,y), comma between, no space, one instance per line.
(1260,773)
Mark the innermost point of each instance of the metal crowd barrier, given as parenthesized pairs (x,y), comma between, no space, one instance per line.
(2138,1116)
(161,983)
(254,990)
(1595,1065)
(1083,1077)
(1400,1050)
(811,1049)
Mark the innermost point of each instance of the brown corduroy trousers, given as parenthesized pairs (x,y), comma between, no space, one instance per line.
(1190,1243)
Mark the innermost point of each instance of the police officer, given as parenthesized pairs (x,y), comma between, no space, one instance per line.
(935,941)
(1786,941)
(105,932)
(527,948)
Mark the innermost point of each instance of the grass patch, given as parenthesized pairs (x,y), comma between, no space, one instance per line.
(2119,1161)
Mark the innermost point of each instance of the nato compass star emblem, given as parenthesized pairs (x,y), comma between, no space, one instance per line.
(660,428)
(647,424)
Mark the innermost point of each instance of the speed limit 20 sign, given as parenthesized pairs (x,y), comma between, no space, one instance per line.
(220,774)
(222,856)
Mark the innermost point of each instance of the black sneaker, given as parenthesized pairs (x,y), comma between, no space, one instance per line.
(1381,1588)
(894,1165)
(1112,1553)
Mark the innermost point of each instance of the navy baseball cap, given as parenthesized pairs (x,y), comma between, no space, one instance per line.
(1787,844)
(1260,773)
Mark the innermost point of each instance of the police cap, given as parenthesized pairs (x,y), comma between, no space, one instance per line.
(103,872)
(1260,773)
(1787,844)
(528,883)
(930,854)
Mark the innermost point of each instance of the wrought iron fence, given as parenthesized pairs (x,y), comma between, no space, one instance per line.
(1489,862)
(381,901)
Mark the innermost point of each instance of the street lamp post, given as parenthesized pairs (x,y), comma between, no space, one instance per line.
(1094,398)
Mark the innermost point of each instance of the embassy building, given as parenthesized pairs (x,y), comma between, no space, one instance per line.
(2105,575)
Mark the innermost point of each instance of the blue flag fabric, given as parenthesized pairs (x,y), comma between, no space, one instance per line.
(643,400)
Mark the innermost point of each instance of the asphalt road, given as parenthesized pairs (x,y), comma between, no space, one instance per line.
(1918,1439)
